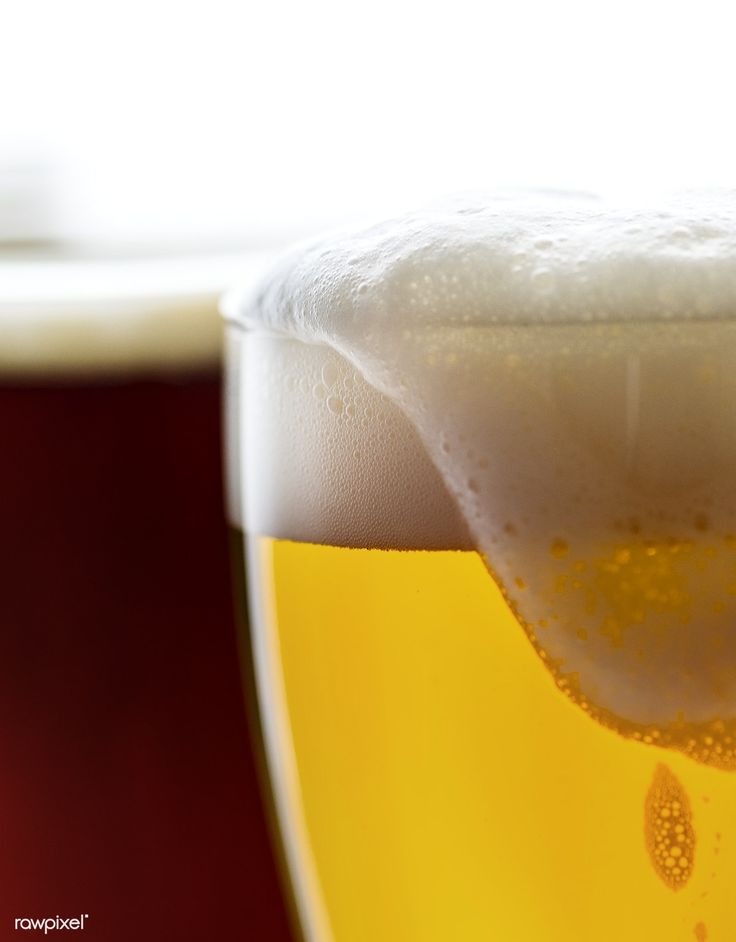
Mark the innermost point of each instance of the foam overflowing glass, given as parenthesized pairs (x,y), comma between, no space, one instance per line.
(483,460)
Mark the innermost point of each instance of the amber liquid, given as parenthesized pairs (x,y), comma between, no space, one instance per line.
(434,783)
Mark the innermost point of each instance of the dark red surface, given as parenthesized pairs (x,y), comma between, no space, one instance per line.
(127,787)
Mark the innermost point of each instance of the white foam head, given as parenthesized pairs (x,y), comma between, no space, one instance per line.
(561,375)
(424,305)
(520,259)
(65,314)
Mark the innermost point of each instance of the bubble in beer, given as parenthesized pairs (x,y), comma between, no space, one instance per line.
(559,549)
(668,829)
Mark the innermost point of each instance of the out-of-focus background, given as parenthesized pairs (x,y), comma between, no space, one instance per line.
(234,120)
(183,143)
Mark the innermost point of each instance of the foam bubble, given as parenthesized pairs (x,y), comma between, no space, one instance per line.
(566,374)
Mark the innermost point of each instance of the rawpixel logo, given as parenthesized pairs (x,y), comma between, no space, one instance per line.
(50,923)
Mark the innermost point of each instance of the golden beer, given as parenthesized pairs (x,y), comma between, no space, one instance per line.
(492,572)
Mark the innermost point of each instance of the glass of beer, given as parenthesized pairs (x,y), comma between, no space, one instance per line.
(483,461)
(128,793)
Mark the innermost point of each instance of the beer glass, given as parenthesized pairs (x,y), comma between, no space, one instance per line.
(128,791)
(481,466)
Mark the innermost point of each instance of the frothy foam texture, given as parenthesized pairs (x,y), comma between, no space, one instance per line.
(508,261)
(551,382)
(90,315)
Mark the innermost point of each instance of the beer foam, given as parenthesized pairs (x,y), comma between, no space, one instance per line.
(327,457)
(567,370)
(519,259)
(66,315)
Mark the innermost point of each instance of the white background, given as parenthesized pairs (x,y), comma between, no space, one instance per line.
(216,119)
